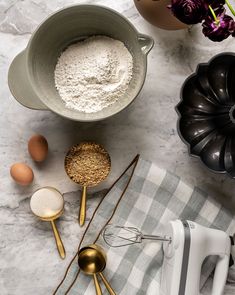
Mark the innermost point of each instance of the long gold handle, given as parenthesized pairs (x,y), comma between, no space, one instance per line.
(107,285)
(58,240)
(82,213)
(97,285)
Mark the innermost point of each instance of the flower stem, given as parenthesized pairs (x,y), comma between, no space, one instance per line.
(214,15)
(230,7)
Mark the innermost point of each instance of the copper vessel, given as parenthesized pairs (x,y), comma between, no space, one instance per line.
(157,13)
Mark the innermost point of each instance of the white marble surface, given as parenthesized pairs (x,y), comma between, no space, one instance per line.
(29,263)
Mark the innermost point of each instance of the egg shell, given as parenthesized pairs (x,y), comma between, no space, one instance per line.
(38,147)
(21,173)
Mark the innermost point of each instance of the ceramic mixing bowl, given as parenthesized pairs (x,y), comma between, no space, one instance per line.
(207,113)
(31,74)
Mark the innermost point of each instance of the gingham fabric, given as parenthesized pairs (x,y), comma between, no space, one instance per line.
(153,197)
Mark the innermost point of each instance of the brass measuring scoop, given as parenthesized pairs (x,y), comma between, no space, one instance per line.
(87,164)
(92,261)
(47,203)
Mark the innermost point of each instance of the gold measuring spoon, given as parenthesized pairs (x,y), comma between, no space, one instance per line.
(47,203)
(92,261)
(87,164)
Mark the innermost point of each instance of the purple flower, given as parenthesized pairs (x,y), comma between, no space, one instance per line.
(189,11)
(218,30)
(217,5)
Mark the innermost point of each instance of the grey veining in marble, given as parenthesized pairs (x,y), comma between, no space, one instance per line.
(29,263)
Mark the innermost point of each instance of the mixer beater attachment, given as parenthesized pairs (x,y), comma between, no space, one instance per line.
(119,236)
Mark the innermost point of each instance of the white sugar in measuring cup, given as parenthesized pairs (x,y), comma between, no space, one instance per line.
(47,203)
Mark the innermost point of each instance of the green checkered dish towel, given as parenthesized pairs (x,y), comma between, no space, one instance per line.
(145,197)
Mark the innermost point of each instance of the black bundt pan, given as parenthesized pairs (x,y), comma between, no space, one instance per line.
(207,113)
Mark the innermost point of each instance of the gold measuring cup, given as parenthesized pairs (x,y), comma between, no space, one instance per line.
(92,261)
(87,164)
(47,203)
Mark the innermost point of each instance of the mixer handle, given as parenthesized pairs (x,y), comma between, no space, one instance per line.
(220,276)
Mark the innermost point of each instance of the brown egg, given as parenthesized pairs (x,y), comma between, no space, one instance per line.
(38,147)
(21,173)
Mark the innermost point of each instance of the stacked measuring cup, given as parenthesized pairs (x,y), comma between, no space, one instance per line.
(92,261)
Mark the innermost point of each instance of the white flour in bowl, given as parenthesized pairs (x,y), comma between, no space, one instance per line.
(93,74)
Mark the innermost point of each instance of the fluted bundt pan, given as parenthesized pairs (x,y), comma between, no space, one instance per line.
(207,113)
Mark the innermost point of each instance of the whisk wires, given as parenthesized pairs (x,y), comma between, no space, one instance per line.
(119,236)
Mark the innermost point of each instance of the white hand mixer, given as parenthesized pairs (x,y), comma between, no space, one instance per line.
(186,246)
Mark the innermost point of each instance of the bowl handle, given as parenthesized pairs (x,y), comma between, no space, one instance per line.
(20,86)
(146,43)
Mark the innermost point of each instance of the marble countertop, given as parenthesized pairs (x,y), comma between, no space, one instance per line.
(29,263)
